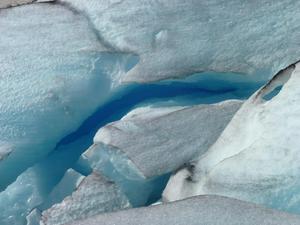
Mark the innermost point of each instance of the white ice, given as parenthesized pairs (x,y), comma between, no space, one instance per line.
(176,38)
(257,156)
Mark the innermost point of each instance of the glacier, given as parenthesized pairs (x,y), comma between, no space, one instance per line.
(256,157)
(102,101)
(47,175)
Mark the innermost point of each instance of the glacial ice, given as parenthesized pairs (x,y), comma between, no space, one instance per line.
(176,38)
(94,195)
(66,186)
(58,67)
(50,81)
(201,210)
(257,156)
(160,140)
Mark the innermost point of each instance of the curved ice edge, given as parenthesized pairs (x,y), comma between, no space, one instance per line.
(278,190)
(200,210)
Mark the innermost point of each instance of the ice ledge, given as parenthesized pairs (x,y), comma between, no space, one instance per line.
(174,40)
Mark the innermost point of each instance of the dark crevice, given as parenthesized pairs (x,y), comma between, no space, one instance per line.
(273,87)
(100,38)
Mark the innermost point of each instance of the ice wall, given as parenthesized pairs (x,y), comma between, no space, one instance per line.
(94,195)
(176,38)
(53,84)
(159,140)
(257,156)
(50,81)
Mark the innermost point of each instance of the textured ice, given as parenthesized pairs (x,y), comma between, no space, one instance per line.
(160,140)
(257,156)
(50,81)
(34,190)
(95,194)
(176,38)
(201,210)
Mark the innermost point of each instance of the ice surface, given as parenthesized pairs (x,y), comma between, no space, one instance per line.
(95,194)
(160,140)
(50,81)
(201,210)
(257,156)
(176,38)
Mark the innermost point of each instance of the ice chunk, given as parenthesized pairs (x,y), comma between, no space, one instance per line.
(183,37)
(34,217)
(116,166)
(201,210)
(34,189)
(65,187)
(94,195)
(160,140)
(139,151)
(257,156)
(50,81)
